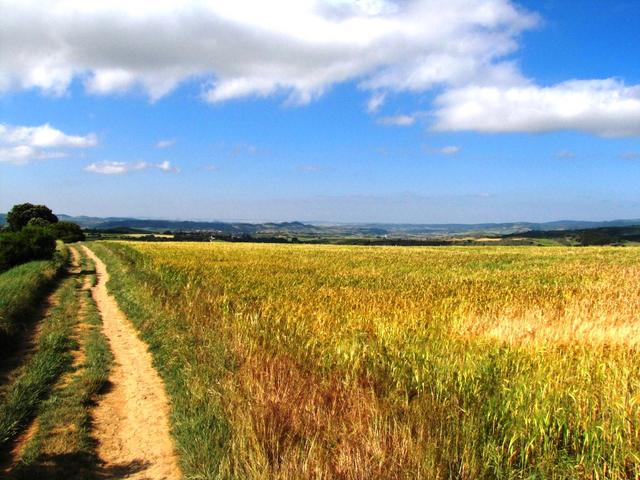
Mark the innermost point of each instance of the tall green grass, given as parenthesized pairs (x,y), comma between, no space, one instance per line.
(22,290)
(33,381)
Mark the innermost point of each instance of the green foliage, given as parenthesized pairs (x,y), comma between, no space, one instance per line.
(68,232)
(20,216)
(30,236)
(30,243)
(63,447)
(40,242)
(38,222)
(22,289)
(597,237)
(20,398)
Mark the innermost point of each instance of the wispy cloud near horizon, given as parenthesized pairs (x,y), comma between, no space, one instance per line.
(397,120)
(118,168)
(166,143)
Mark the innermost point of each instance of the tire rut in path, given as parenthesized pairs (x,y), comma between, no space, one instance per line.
(131,420)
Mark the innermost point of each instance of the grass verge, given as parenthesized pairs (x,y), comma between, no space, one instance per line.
(22,289)
(63,447)
(33,381)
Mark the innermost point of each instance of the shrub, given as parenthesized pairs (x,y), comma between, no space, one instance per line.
(30,243)
(13,250)
(41,242)
(68,232)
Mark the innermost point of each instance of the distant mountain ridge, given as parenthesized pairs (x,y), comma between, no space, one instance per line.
(365,229)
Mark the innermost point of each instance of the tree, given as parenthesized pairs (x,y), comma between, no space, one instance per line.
(68,232)
(21,215)
(40,241)
(38,222)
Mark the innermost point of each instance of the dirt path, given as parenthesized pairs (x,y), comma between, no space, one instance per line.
(131,421)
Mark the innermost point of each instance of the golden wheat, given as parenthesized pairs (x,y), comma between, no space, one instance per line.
(385,362)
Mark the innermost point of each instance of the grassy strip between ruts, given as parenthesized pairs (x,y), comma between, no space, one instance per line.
(198,421)
(52,357)
(63,447)
(24,287)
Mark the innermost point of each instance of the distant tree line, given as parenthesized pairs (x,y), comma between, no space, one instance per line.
(586,237)
(31,232)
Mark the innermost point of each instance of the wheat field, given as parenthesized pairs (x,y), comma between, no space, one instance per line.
(293,361)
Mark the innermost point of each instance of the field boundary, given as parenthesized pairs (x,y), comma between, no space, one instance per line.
(131,421)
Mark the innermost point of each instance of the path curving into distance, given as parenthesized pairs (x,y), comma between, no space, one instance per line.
(131,420)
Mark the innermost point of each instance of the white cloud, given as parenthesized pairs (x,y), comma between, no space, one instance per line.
(115,168)
(166,143)
(565,154)
(20,145)
(376,101)
(253,48)
(301,48)
(450,150)
(607,108)
(166,166)
(446,150)
(397,120)
(118,168)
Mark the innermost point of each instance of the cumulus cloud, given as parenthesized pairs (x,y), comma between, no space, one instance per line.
(118,168)
(20,144)
(166,143)
(253,48)
(608,108)
(299,49)
(397,120)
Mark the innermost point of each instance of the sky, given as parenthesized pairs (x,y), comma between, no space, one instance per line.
(395,111)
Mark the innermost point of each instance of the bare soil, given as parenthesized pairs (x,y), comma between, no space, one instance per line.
(131,420)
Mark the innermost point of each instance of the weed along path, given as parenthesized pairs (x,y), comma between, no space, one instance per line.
(131,420)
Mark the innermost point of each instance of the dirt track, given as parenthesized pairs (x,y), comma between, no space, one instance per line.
(131,421)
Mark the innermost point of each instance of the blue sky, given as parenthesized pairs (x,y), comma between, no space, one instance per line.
(345,111)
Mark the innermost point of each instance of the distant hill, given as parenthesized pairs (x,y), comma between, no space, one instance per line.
(122,224)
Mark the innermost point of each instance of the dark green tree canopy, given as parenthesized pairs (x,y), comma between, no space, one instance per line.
(68,232)
(21,215)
